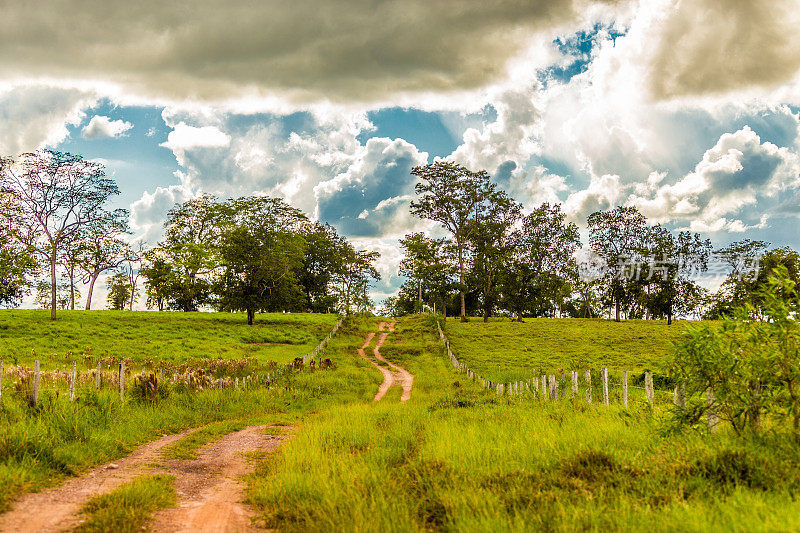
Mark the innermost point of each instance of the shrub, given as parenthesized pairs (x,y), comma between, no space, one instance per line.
(750,361)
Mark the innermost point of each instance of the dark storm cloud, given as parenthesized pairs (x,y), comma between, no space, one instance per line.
(348,50)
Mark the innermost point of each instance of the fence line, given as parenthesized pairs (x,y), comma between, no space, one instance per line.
(118,377)
(547,386)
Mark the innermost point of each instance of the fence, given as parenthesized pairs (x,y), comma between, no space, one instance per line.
(552,386)
(116,376)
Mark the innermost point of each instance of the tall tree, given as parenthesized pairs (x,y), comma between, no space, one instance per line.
(260,251)
(492,246)
(429,269)
(453,196)
(542,263)
(618,237)
(16,265)
(319,262)
(159,279)
(351,279)
(188,246)
(119,291)
(672,261)
(49,197)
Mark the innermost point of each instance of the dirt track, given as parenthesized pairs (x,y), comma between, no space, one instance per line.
(209,492)
(57,509)
(394,374)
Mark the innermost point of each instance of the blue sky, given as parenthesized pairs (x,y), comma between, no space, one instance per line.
(689,111)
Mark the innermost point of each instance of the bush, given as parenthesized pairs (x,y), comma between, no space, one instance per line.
(750,361)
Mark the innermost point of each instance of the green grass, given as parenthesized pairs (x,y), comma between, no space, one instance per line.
(457,459)
(128,508)
(453,458)
(43,445)
(502,350)
(88,336)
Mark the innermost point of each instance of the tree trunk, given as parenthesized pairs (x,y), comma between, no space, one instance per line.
(444,308)
(53,284)
(72,287)
(461,282)
(617,308)
(420,296)
(92,279)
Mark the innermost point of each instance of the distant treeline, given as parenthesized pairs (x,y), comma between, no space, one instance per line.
(252,254)
(496,259)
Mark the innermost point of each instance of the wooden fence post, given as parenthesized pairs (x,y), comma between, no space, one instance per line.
(1,381)
(648,386)
(605,386)
(122,381)
(552,386)
(588,386)
(574,384)
(97,377)
(712,415)
(625,388)
(535,386)
(35,383)
(545,393)
(237,383)
(72,384)
(680,396)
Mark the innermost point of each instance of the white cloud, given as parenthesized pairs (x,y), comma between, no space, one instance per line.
(738,171)
(184,137)
(32,117)
(149,213)
(101,127)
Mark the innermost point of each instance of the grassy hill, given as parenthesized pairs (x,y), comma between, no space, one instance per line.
(167,336)
(456,458)
(504,350)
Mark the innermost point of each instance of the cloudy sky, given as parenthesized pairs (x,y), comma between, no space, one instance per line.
(687,109)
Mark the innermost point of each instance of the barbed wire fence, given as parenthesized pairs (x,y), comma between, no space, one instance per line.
(119,376)
(553,387)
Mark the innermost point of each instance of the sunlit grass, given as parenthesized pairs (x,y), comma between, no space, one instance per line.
(457,458)
(166,336)
(503,350)
(128,508)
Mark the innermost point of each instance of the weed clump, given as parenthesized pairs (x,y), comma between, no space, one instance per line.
(732,468)
(149,389)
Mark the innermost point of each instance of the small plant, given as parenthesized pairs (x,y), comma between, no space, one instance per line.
(148,388)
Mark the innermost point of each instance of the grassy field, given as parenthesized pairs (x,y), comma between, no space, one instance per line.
(502,350)
(87,336)
(40,446)
(458,459)
(453,458)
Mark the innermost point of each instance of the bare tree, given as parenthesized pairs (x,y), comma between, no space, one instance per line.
(50,197)
(103,248)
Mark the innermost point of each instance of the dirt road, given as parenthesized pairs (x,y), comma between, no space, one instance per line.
(394,374)
(57,509)
(209,490)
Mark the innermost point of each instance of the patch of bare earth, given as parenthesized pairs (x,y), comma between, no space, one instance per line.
(209,491)
(57,509)
(394,374)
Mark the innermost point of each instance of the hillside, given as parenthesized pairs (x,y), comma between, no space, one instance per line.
(505,350)
(142,336)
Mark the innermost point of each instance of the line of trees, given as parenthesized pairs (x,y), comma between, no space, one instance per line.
(496,259)
(251,254)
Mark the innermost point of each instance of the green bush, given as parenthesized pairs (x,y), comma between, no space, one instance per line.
(751,362)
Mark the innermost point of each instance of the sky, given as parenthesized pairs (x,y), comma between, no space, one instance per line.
(688,110)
